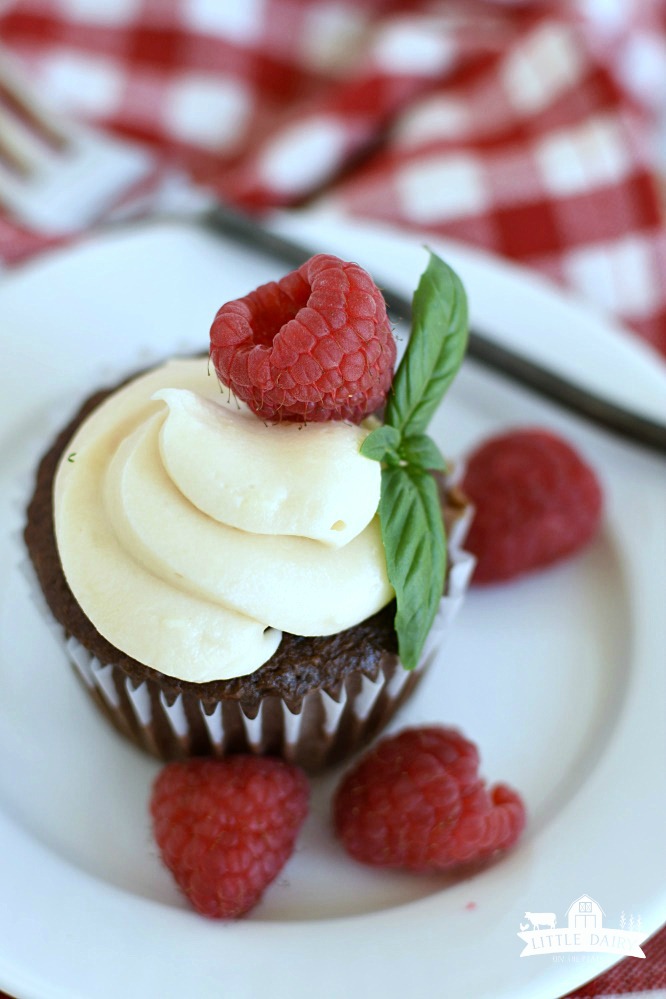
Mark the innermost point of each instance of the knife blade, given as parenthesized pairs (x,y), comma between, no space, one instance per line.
(481,348)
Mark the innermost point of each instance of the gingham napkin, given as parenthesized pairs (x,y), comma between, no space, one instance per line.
(533,129)
(536,130)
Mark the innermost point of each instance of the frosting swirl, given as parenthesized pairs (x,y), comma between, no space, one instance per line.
(192,534)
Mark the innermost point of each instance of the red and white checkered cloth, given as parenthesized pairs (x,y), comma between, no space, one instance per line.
(536,130)
(532,129)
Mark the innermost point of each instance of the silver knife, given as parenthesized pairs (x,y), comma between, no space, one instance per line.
(481,348)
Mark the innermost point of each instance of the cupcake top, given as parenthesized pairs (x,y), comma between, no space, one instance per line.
(193,529)
(192,533)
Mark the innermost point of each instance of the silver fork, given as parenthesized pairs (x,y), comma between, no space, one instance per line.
(55,175)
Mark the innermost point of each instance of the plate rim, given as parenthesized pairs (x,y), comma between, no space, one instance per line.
(65,255)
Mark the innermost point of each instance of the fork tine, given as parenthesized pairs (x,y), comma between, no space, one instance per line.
(20,149)
(10,158)
(26,133)
(18,97)
(55,175)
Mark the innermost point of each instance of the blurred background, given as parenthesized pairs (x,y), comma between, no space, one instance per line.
(534,130)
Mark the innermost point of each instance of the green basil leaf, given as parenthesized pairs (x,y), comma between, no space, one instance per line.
(382,445)
(434,351)
(421,451)
(415,544)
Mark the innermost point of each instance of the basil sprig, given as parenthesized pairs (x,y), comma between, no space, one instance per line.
(409,509)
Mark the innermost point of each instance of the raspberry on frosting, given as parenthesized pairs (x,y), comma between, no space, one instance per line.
(316,345)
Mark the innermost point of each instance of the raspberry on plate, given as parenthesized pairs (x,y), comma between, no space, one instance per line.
(316,345)
(416,801)
(536,501)
(226,828)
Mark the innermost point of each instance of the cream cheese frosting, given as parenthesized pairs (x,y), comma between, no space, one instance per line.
(192,534)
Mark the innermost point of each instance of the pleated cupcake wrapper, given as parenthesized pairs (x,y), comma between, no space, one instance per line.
(316,730)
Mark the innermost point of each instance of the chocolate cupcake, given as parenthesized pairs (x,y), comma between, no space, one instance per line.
(220,568)
(314,700)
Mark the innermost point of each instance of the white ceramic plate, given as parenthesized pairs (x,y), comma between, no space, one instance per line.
(559,678)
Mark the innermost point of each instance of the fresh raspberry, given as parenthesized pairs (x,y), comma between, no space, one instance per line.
(316,345)
(536,501)
(416,801)
(226,828)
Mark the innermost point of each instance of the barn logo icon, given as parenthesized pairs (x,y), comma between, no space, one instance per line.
(584,932)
